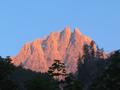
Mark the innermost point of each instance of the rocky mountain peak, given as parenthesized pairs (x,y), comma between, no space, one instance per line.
(77,31)
(67,30)
(66,46)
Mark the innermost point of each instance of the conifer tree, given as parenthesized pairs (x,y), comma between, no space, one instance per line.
(57,70)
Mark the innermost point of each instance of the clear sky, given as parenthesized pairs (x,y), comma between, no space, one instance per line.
(25,20)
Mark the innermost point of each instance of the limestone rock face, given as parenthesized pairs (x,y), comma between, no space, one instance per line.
(66,46)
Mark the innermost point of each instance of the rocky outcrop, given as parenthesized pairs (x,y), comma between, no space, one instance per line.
(66,46)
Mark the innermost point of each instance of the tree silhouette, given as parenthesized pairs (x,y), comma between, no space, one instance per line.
(100,53)
(6,69)
(42,82)
(110,78)
(72,83)
(79,68)
(92,45)
(57,70)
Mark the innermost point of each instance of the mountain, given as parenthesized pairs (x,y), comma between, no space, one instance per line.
(66,46)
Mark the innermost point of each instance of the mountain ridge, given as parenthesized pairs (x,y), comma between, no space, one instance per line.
(66,46)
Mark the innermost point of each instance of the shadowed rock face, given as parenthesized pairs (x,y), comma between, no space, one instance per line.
(66,46)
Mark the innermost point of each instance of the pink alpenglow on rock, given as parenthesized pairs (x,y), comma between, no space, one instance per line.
(40,54)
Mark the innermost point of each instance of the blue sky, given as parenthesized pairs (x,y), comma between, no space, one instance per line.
(25,20)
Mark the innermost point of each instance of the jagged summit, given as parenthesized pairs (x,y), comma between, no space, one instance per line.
(77,31)
(67,29)
(66,46)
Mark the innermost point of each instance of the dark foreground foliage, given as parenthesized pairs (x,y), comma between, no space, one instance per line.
(110,79)
(6,69)
(106,75)
(17,78)
(42,82)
